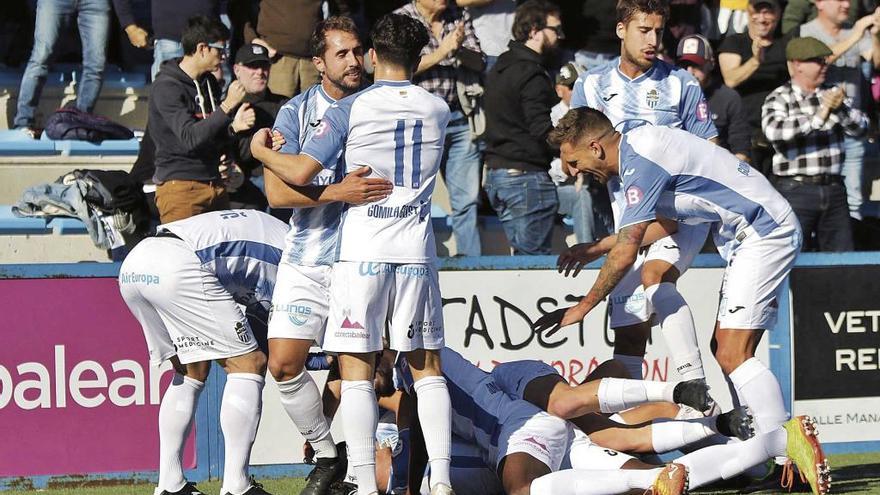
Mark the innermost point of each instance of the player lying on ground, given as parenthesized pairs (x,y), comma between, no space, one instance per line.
(187,286)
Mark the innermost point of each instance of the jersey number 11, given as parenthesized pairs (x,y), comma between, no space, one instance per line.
(400,153)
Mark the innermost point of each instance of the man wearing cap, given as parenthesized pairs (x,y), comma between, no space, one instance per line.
(806,123)
(694,54)
(252,68)
(850,47)
(753,64)
(519,96)
(581,198)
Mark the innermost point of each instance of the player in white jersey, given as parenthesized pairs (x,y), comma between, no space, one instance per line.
(385,273)
(633,90)
(674,174)
(527,447)
(301,301)
(197,288)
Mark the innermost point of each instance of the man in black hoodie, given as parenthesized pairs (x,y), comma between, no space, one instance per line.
(519,96)
(188,126)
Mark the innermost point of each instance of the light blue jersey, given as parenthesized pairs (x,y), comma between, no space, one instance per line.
(664,95)
(314,231)
(398,130)
(242,248)
(683,177)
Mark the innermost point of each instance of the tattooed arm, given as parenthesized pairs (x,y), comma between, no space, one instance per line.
(620,259)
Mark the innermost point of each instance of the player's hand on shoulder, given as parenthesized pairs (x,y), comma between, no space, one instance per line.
(357,189)
(573,259)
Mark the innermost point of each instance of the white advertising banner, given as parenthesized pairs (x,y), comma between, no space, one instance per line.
(488,315)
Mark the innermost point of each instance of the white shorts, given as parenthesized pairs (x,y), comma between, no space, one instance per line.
(300,302)
(183,309)
(365,297)
(628,304)
(754,275)
(584,454)
(513,377)
(527,429)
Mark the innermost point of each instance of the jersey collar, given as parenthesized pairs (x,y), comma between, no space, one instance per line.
(384,82)
(638,78)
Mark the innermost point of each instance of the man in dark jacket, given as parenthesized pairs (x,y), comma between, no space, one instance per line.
(188,126)
(519,96)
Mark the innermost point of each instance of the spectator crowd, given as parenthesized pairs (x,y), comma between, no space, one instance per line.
(790,86)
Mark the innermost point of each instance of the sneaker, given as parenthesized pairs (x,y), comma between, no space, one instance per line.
(442,489)
(325,472)
(736,423)
(342,488)
(31,133)
(672,480)
(255,489)
(188,489)
(693,393)
(804,451)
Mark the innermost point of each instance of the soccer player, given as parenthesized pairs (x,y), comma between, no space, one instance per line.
(636,89)
(672,173)
(301,299)
(186,286)
(525,446)
(385,272)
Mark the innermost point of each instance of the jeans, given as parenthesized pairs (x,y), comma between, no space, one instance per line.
(93,18)
(164,50)
(526,204)
(461,170)
(589,218)
(852,171)
(822,212)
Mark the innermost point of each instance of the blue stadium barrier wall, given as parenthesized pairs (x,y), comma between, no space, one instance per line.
(846,324)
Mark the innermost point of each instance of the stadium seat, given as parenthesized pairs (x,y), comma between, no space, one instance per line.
(16,143)
(10,224)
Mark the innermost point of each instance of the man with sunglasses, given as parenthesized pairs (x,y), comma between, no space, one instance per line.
(191,127)
(807,124)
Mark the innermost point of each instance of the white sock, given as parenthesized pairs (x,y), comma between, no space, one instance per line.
(239,417)
(669,435)
(435,416)
(633,365)
(619,394)
(679,333)
(758,389)
(302,401)
(593,482)
(360,416)
(726,461)
(175,420)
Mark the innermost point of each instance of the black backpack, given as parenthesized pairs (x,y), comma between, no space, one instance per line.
(111,190)
(73,123)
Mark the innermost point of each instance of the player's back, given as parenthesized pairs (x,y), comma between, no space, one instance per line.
(242,248)
(706,182)
(398,130)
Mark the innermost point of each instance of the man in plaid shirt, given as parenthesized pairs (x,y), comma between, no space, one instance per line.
(452,37)
(806,124)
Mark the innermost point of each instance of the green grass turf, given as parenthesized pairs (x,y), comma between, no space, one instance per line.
(851,473)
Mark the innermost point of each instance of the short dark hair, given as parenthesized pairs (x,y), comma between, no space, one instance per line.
(627,9)
(333,23)
(398,39)
(579,123)
(532,15)
(202,29)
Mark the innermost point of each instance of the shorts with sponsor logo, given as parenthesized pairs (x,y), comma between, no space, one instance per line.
(584,454)
(628,303)
(182,308)
(513,377)
(753,279)
(300,302)
(365,297)
(527,429)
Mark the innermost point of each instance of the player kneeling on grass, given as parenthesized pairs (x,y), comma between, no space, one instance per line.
(187,287)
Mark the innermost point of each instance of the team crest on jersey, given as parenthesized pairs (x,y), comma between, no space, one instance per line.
(653,98)
(242,333)
(634,195)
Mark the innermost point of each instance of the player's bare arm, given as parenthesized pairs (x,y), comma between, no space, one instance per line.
(296,170)
(575,258)
(355,188)
(620,259)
